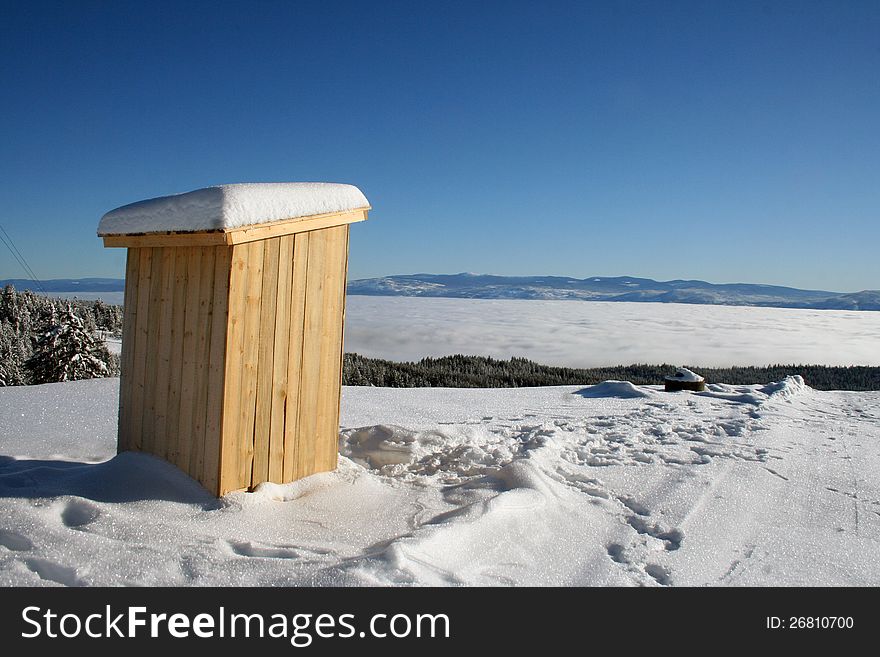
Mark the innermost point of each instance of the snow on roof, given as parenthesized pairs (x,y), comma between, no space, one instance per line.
(231,206)
(684,374)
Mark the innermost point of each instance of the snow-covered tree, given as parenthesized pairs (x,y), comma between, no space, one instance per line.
(7,354)
(107,318)
(15,349)
(68,351)
(8,304)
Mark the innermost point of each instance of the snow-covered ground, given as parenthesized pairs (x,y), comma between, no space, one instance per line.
(607,485)
(598,333)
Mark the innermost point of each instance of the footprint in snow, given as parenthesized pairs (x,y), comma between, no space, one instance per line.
(14,541)
(264,551)
(672,538)
(634,506)
(617,553)
(660,574)
(79,513)
(54,572)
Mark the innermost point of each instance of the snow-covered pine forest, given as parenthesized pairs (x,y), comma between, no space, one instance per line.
(47,340)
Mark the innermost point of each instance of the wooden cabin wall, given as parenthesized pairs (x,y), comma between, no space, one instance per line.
(284,350)
(232,357)
(173,356)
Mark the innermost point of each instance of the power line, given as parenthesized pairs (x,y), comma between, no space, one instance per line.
(14,254)
(19,256)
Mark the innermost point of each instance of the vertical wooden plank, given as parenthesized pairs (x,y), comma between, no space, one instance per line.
(295,353)
(129,336)
(310,379)
(232,367)
(241,365)
(329,379)
(344,300)
(250,356)
(186,438)
(175,362)
(138,367)
(280,362)
(215,415)
(163,354)
(341,357)
(265,361)
(150,362)
(200,298)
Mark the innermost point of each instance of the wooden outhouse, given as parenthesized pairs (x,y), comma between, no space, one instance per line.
(232,339)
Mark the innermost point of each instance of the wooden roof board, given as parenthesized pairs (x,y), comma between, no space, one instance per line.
(239,235)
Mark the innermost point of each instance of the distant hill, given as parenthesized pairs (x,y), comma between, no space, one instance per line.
(619,288)
(596,288)
(68,284)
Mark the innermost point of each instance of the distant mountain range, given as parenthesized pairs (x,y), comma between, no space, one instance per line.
(619,288)
(597,288)
(68,284)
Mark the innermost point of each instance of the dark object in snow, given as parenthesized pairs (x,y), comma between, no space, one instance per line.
(684,379)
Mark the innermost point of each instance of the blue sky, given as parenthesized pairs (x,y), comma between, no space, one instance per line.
(727,141)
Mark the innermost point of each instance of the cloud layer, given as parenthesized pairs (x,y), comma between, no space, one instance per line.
(589,334)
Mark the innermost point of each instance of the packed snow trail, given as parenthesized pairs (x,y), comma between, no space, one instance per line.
(615,484)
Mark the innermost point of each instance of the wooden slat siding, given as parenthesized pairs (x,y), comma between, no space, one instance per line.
(151,353)
(329,380)
(341,358)
(230,435)
(138,366)
(241,360)
(216,375)
(307,438)
(240,235)
(252,329)
(163,355)
(187,440)
(201,290)
(324,337)
(295,354)
(265,361)
(280,362)
(233,356)
(129,323)
(175,371)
